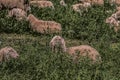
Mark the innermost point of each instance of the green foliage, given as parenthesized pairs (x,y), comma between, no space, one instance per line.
(37,62)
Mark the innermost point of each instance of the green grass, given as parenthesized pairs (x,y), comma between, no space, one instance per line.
(37,62)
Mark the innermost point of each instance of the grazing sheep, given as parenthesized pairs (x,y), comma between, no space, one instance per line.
(10,4)
(44,26)
(81,6)
(62,2)
(56,43)
(42,4)
(19,14)
(84,50)
(113,23)
(7,53)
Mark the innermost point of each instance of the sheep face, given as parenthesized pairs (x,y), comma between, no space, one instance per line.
(58,42)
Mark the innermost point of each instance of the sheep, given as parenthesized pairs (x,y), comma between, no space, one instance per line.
(57,42)
(94,2)
(62,2)
(116,15)
(10,4)
(81,6)
(18,13)
(97,2)
(42,4)
(84,50)
(113,23)
(42,26)
(118,8)
(116,2)
(8,52)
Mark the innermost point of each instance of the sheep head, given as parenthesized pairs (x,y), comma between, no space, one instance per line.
(58,42)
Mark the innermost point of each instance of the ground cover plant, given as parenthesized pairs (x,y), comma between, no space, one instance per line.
(37,62)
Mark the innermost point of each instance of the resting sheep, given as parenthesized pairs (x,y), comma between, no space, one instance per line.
(44,26)
(94,2)
(10,4)
(84,50)
(113,23)
(81,6)
(42,4)
(19,14)
(6,53)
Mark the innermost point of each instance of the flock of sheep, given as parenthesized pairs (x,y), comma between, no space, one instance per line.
(19,9)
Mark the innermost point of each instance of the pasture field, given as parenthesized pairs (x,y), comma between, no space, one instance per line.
(37,62)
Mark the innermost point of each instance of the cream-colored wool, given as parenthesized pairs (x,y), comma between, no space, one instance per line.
(44,26)
(118,8)
(116,15)
(18,13)
(8,52)
(84,50)
(113,23)
(116,2)
(81,6)
(57,43)
(10,4)
(62,2)
(42,4)
(94,2)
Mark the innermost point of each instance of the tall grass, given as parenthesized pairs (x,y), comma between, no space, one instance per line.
(37,62)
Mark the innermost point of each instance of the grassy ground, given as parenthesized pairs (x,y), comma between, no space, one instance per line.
(37,62)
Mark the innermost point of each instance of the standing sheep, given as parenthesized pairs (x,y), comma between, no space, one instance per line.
(10,4)
(56,43)
(7,53)
(44,26)
(84,50)
(42,4)
(19,14)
